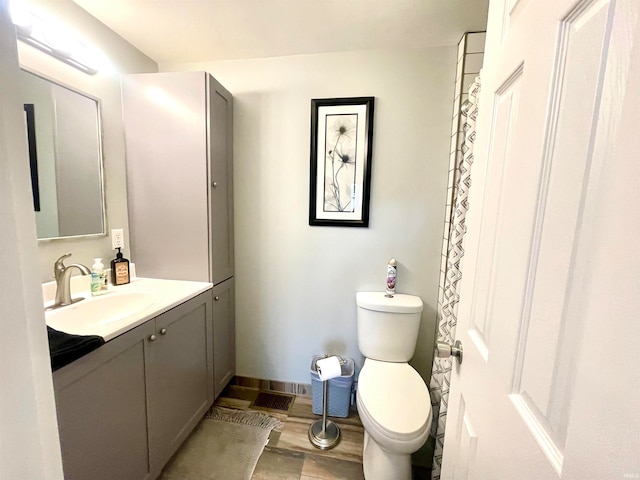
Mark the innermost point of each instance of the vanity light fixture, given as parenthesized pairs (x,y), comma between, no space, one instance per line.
(52,39)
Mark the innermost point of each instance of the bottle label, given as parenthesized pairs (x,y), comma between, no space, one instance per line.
(122,273)
(391,280)
(98,282)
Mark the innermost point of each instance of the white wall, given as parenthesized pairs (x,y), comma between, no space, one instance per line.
(296,284)
(106,86)
(29,445)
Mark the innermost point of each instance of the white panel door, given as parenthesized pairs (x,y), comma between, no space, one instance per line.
(549,305)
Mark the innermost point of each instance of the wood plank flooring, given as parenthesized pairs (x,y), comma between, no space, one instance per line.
(289,455)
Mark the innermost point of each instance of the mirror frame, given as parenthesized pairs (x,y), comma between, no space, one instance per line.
(103,198)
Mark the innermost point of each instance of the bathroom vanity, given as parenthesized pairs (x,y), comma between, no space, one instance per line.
(125,408)
(179,148)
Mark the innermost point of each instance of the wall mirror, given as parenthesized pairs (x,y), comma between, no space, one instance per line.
(65,155)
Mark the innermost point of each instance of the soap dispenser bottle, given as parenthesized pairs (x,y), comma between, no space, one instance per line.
(120,270)
(98,278)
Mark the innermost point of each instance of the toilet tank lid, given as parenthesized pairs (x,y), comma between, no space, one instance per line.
(399,303)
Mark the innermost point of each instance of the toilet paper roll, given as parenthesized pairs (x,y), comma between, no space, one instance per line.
(328,368)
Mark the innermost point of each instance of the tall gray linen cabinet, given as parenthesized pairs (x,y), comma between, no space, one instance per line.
(179,153)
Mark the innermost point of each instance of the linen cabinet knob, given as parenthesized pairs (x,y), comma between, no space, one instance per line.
(152,338)
(216,298)
(163,331)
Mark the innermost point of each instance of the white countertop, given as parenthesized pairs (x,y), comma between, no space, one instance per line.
(123,308)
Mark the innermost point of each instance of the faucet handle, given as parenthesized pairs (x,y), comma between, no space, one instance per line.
(59,267)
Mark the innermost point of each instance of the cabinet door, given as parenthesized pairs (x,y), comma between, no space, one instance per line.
(180,369)
(102,411)
(224,335)
(221,176)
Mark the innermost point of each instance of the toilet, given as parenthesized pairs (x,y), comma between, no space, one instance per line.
(393,400)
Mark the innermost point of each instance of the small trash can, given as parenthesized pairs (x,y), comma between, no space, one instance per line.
(339,389)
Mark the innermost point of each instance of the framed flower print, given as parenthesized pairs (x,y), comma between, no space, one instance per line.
(341,151)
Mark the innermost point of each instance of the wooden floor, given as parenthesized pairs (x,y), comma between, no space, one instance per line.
(289,455)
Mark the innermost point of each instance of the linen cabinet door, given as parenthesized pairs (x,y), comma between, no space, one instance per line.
(180,366)
(224,335)
(102,411)
(221,173)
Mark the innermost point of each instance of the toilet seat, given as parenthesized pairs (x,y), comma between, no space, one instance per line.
(395,398)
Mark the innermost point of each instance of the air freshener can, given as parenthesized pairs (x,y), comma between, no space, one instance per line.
(392,270)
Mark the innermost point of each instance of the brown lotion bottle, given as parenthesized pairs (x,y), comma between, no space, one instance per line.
(120,270)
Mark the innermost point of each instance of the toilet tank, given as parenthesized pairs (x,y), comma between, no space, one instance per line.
(388,326)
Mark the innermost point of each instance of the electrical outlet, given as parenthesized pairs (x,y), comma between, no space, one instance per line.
(117,238)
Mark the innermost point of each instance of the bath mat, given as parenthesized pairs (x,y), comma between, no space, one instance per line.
(226,445)
(273,402)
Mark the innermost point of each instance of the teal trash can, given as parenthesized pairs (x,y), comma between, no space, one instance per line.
(339,393)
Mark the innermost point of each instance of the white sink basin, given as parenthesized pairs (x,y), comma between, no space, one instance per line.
(84,317)
(123,308)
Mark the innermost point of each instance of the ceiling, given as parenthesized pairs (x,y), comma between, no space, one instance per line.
(177,31)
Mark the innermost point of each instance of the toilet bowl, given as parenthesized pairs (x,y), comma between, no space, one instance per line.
(395,410)
(393,401)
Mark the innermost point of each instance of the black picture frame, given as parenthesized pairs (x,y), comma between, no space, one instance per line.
(30,123)
(341,160)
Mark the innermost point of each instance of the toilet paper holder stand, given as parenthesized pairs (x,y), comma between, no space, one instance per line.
(325,434)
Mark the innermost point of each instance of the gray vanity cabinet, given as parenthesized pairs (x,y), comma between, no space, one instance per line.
(224,334)
(101,404)
(180,380)
(125,408)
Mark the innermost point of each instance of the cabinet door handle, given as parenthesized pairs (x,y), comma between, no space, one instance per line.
(163,331)
(214,184)
(216,298)
(152,338)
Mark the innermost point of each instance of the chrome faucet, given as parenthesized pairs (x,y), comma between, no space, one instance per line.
(63,282)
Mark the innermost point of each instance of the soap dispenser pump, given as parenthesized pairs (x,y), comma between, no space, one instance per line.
(120,270)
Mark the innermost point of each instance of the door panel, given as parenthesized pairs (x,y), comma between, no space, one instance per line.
(554,82)
(224,335)
(505,113)
(221,188)
(546,344)
(467,440)
(180,386)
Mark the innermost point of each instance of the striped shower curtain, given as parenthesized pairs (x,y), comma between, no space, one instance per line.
(447,315)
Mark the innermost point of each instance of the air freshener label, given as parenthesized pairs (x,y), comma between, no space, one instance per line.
(391,279)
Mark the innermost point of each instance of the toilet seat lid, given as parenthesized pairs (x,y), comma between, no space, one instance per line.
(395,396)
